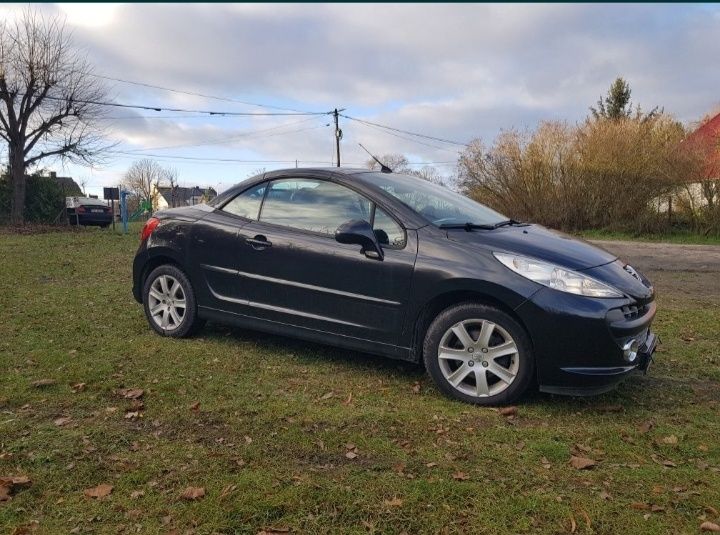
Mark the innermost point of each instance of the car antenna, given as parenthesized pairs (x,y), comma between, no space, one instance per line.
(383,168)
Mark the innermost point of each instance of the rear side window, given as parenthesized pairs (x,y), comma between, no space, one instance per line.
(247,204)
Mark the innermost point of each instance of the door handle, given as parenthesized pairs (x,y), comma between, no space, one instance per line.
(259,242)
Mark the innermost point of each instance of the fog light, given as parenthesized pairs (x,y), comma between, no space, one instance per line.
(630,350)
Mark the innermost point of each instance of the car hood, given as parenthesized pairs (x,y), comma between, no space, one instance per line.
(538,242)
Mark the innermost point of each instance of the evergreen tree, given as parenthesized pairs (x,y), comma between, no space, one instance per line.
(616,105)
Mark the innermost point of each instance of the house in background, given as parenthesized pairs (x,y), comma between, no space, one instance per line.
(707,139)
(69,187)
(172,197)
(706,189)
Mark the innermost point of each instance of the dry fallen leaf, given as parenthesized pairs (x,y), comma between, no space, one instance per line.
(709,526)
(460,476)
(509,411)
(416,388)
(195,406)
(78,387)
(645,427)
(9,484)
(394,502)
(100,491)
(131,393)
(672,439)
(711,511)
(42,383)
(62,421)
(193,493)
(349,399)
(351,455)
(581,463)
(328,395)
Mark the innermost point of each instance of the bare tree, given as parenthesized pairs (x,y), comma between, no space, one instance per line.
(145,176)
(170,175)
(48,99)
(400,164)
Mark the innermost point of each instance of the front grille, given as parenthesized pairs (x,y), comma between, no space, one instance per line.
(632,312)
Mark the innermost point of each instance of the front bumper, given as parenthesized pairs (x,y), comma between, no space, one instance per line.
(598,380)
(579,342)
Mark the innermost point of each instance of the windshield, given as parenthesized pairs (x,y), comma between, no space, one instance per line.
(437,204)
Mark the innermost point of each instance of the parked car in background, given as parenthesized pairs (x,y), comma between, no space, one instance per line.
(88,211)
(394,265)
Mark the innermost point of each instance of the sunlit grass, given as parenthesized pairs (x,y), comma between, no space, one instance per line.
(264,424)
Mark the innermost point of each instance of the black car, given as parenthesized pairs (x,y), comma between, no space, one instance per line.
(394,265)
(88,211)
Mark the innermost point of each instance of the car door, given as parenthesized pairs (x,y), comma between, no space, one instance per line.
(293,271)
(214,250)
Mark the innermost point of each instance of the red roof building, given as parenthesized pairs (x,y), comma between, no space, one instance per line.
(707,139)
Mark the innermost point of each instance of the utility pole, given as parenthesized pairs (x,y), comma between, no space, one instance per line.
(338,137)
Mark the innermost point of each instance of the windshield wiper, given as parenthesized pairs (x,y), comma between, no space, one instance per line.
(466,226)
(472,226)
(507,223)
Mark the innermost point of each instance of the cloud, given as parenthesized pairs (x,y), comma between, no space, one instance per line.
(457,71)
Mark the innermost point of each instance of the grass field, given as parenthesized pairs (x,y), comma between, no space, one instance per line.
(283,435)
(690,238)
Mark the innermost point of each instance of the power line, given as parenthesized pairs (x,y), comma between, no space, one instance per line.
(184,110)
(412,140)
(202,159)
(252,133)
(130,117)
(386,127)
(193,93)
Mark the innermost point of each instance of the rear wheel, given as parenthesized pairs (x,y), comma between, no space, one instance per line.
(169,302)
(478,354)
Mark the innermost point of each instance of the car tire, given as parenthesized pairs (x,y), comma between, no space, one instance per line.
(479,354)
(169,302)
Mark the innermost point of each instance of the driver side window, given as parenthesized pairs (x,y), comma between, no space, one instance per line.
(313,205)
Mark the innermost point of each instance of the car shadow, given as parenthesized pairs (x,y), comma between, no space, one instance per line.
(309,352)
(636,394)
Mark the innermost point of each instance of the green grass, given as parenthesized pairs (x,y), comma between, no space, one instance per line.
(268,443)
(677,236)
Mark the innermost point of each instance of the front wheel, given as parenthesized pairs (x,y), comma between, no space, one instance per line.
(169,302)
(479,354)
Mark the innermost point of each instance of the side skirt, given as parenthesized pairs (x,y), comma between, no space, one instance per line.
(304,333)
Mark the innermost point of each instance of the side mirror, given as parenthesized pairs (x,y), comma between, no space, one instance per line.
(360,232)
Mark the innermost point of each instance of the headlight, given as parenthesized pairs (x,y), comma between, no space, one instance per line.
(556,277)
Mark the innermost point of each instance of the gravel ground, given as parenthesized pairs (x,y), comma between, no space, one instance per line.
(690,269)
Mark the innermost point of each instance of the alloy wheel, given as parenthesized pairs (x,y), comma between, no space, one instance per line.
(166,302)
(478,358)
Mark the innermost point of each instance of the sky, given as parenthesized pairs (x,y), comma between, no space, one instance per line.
(451,71)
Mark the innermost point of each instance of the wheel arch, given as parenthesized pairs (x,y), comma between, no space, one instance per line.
(450,298)
(156,260)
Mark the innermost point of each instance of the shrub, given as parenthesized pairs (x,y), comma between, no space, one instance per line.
(600,174)
(44,200)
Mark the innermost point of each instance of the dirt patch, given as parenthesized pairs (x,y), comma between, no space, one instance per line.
(682,271)
(27,230)
(665,256)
